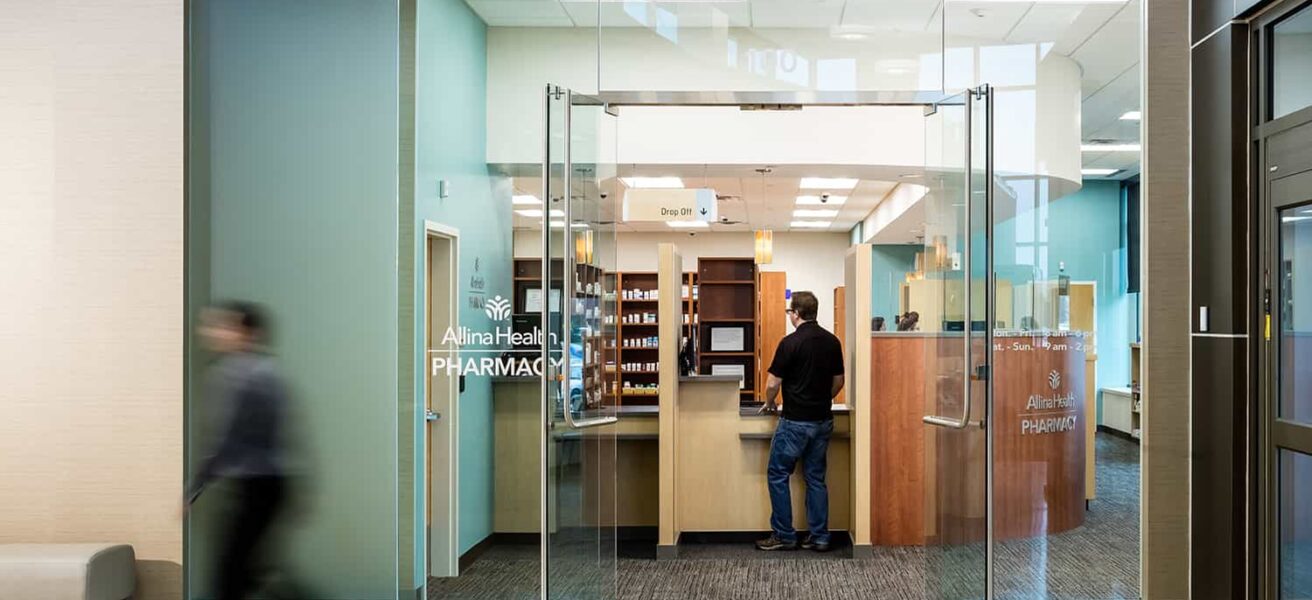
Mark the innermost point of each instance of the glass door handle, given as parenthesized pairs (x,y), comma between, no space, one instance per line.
(967,291)
(567,283)
(430,415)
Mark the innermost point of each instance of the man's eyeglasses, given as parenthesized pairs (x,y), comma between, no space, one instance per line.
(789,311)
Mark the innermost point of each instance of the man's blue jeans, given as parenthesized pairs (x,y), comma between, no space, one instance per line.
(807,441)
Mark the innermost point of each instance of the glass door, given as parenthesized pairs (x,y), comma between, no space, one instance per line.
(578,248)
(950,306)
(1288,348)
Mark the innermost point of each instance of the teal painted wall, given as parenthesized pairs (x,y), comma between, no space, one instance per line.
(293,203)
(1086,231)
(889,266)
(451,138)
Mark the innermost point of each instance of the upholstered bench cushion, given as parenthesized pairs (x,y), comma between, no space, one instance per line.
(67,571)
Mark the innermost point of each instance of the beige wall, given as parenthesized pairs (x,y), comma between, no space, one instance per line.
(91,248)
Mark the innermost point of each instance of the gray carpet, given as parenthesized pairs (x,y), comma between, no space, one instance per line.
(1096,561)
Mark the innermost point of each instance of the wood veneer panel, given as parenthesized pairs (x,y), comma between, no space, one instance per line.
(897,456)
(840,316)
(772,323)
(1039,477)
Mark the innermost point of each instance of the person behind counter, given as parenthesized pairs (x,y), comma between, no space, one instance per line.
(808,369)
(909,322)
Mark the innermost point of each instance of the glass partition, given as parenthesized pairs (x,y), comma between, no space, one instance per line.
(578,249)
(770,45)
(946,300)
(283,167)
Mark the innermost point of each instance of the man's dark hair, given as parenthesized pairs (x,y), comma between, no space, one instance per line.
(250,316)
(805,305)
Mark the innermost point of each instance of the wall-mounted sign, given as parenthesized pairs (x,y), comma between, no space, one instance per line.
(665,205)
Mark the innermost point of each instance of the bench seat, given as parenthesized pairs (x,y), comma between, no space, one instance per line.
(67,571)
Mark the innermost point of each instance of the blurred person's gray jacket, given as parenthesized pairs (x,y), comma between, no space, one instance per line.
(251,401)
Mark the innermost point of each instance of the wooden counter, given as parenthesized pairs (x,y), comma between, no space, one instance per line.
(721,460)
(927,482)
(517,416)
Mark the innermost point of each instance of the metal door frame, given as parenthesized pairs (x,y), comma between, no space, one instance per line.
(1271,433)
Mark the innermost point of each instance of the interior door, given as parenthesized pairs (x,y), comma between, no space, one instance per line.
(1288,352)
(954,316)
(578,237)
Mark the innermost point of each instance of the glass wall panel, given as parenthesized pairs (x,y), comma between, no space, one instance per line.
(1295,529)
(1295,320)
(771,45)
(579,233)
(1291,64)
(292,204)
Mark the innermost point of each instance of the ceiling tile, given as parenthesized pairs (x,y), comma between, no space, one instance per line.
(896,15)
(796,13)
(520,13)
(988,20)
(1066,26)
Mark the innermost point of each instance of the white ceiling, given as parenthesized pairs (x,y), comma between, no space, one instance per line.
(747,200)
(1101,35)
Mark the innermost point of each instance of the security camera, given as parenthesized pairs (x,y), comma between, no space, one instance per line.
(824,198)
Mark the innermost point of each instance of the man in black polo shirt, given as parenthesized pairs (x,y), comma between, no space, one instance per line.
(808,368)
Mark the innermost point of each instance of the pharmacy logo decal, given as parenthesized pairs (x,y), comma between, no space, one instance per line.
(498,308)
(1054,379)
(479,352)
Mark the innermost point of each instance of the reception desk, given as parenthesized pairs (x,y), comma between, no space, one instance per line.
(722,452)
(927,483)
(716,483)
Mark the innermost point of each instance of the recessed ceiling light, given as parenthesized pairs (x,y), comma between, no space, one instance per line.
(653,182)
(806,200)
(810,224)
(558,224)
(851,32)
(687,224)
(525,200)
(1109,147)
(537,213)
(821,213)
(1294,219)
(1133,115)
(1098,172)
(827,183)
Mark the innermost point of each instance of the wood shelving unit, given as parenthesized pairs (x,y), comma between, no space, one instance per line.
(727,300)
(597,348)
(636,307)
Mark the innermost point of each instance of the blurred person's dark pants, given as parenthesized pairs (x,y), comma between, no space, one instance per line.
(259,500)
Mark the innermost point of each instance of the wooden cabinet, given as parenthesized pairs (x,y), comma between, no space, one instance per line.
(772,324)
(727,328)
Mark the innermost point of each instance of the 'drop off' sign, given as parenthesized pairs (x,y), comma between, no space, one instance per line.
(662,206)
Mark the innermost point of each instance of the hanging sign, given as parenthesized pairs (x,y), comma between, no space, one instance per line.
(666,205)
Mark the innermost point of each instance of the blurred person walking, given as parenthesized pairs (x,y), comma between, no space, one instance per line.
(251,449)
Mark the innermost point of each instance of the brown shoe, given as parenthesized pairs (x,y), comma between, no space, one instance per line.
(773,543)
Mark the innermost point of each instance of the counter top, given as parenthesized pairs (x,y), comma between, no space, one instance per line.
(711,378)
(754,411)
(997,333)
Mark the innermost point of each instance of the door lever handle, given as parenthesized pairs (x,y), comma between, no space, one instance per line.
(430,415)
